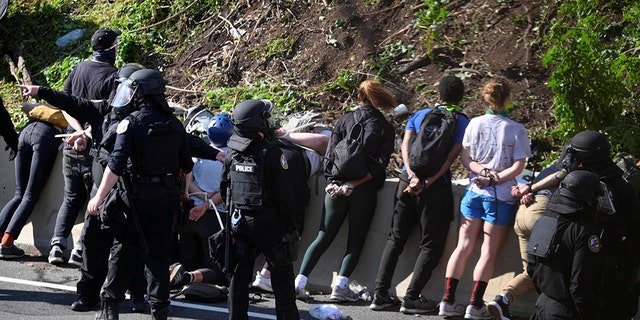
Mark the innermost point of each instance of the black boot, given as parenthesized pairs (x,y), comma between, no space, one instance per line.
(108,310)
(159,313)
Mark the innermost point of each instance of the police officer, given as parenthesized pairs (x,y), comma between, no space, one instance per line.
(590,150)
(155,143)
(256,183)
(565,253)
(95,238)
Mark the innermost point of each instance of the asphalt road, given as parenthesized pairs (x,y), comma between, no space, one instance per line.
(30,288)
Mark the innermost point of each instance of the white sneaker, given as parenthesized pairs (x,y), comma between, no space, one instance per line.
(473,312)
(450,309)
(262,282)
(339,293)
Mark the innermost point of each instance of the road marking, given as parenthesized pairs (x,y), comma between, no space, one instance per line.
(173,302)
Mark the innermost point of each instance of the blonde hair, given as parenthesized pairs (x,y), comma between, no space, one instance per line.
(497,93)
(373,93)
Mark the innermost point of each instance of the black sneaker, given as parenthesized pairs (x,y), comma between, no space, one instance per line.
(75,258)
(176,277)
(418,306)
(55,255)
(11,252)
(381,302)
(499,309)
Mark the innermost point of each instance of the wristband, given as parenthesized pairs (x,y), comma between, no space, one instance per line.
(413,175)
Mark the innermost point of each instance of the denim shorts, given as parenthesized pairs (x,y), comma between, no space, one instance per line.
(474,205)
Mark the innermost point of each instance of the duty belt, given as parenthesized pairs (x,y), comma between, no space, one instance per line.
(155,179)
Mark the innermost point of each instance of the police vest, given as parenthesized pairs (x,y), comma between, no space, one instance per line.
(247,179)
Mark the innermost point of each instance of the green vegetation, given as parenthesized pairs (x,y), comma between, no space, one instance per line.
(593,50)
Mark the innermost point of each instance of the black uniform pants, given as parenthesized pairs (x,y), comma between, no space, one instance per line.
(432,211)
(97,242)
(550,309)
(155,207)
(261,233)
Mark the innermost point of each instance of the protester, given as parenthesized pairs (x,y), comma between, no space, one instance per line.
(352,198)
(426,202)
(37,151)
(203,188)
(495,149)
(92,79)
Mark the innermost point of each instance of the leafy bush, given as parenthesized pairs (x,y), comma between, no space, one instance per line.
(596,74)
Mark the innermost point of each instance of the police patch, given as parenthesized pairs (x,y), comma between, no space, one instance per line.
(283,162)
(594,243)
(122,126)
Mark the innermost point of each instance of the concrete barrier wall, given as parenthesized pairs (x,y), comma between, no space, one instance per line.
(37,233)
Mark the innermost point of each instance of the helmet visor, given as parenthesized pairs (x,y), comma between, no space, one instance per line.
(124,94)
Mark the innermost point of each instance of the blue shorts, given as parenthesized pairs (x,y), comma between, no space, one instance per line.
(474,205)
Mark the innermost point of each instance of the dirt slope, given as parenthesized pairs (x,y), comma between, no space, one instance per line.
(480,39)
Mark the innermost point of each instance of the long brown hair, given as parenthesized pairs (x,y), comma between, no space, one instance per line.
(373,93)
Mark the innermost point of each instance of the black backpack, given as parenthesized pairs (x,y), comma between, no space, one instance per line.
(349,158)
(430,147)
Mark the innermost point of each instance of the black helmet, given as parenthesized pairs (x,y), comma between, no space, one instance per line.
(125,71)
(579,190)
(252,115)
(140,82)
(587,147)
(148,81)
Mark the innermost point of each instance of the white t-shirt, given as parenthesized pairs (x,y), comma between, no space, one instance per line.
(496,142)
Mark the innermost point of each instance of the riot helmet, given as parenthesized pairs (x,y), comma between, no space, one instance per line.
(125,71)
(580,191)
(121,75)
(252,115)
(142,82)
(220,129)
(587,147)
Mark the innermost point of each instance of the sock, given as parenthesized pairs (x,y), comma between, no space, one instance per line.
(450,286)
(7,240)
(478,292)
(300,282)
(505,299)
(189,278)
(342,281)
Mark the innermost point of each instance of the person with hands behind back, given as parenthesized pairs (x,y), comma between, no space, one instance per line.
(427,203)
(494,149)
(353,197)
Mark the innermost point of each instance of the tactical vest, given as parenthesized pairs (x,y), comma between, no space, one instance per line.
(247,179)
(159,154)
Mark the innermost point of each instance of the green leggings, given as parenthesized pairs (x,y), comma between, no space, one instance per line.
(359,209)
